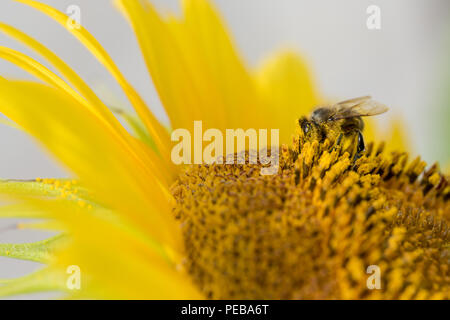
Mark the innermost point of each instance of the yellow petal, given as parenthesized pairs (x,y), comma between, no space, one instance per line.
(38,70)
(21,210)
(396,138)
(110,125)
(370,130)
(39,251)
(194,66)
(8,123)
(137,127)
(155,129)
(213,56)
(286,84)
(63,68)
(72,134)
(45,279)
(164,61)
(108,250)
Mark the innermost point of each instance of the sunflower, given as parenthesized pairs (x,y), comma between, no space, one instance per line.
(136,226)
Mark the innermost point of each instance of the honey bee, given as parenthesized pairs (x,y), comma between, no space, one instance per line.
(341,123)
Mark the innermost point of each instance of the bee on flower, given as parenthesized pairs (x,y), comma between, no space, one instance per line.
(137,226)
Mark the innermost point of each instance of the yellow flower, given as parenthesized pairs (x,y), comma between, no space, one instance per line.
(136,226)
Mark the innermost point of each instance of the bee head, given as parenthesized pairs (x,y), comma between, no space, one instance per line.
(305,125)
(308,130)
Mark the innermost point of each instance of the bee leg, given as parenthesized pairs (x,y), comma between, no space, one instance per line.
(360,147)
(339,139)
(361,144)
(337,143)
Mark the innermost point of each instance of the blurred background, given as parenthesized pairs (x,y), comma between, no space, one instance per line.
(404,64)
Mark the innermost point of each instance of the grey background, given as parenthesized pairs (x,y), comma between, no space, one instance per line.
(400,65)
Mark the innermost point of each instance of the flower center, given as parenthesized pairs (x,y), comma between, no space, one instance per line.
(311,230)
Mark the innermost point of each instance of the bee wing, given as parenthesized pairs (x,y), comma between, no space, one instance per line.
(353,102)
(358,107)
